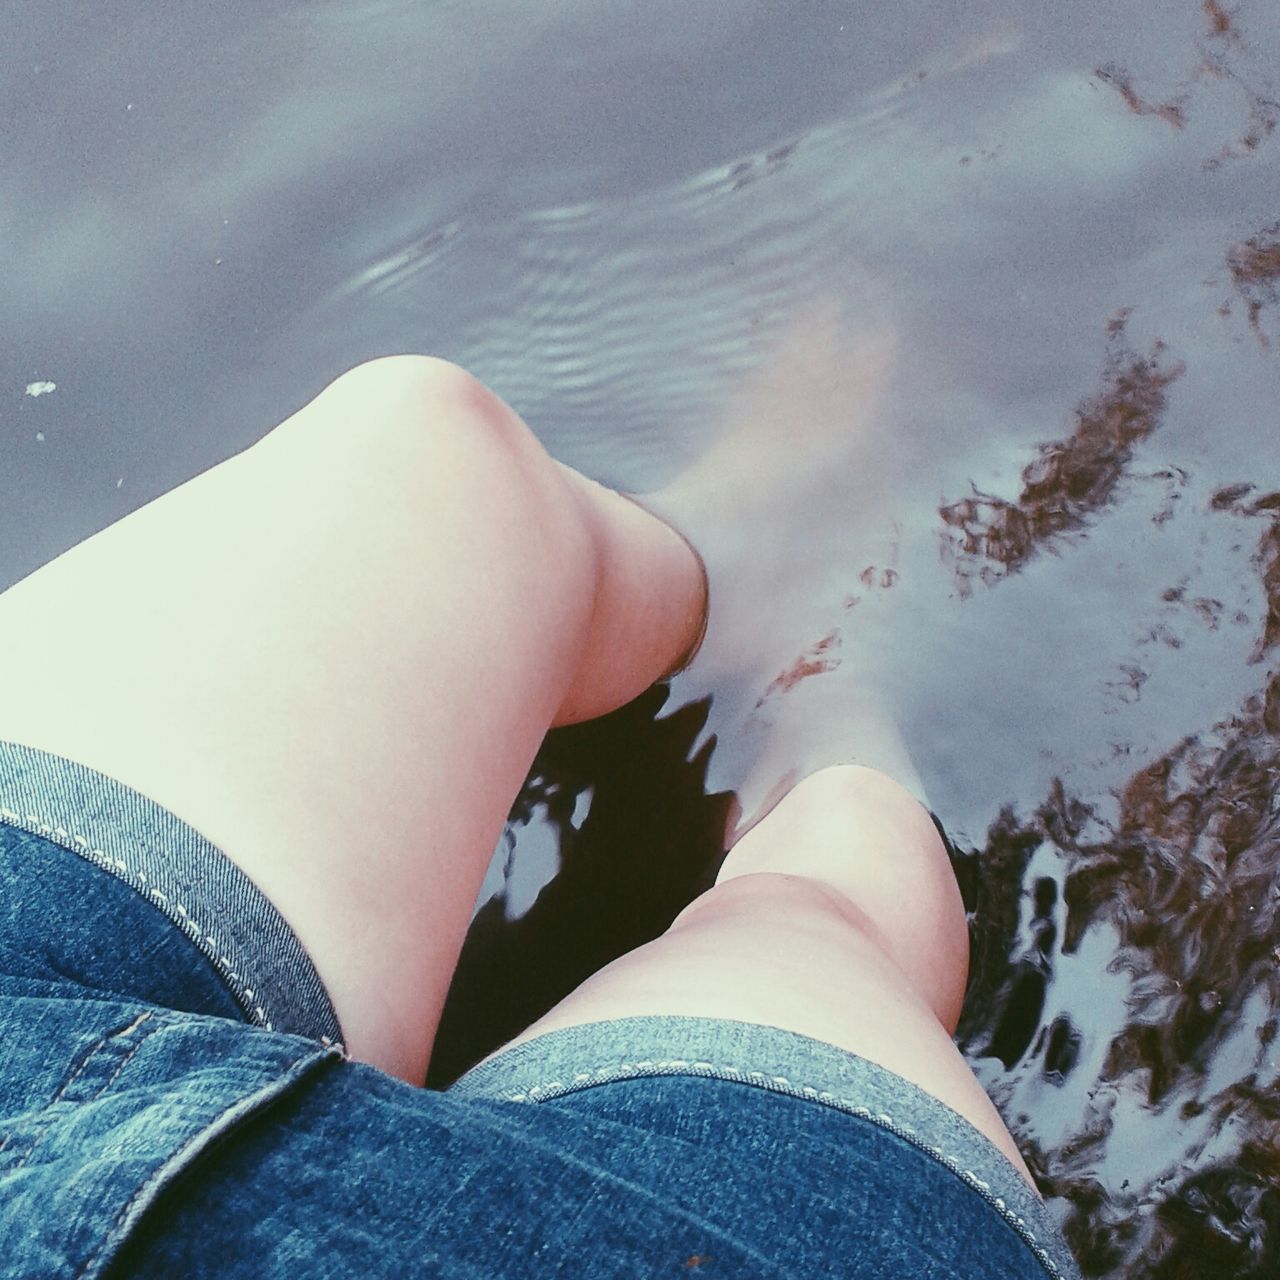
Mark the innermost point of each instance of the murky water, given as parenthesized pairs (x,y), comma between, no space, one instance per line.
(1069,586)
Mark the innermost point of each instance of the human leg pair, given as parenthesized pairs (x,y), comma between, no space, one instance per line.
(335,655)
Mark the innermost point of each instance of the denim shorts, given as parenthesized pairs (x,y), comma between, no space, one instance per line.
(175,1101)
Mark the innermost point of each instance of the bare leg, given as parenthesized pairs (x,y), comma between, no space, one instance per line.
(335,655)
(837,917)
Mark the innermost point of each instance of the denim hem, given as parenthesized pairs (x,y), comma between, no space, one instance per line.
(588,1056)
(191,881)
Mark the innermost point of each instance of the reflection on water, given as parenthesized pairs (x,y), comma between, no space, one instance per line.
(1069,219)
(1169,1148)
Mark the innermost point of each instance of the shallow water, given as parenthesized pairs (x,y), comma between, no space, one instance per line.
(1070,591)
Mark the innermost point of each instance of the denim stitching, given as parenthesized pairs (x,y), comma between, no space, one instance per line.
(534,1092)
(93,1051)
(124,1062)
(88,1057)
(104,860)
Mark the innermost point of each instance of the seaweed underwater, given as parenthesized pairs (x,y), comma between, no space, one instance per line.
(1254,265)
(1071,480)
(1220,55)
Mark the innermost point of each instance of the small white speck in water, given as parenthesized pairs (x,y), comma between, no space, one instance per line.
(36,389)
(39,435)
(120,482)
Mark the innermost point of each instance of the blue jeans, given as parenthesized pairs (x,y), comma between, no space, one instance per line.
(175,1102)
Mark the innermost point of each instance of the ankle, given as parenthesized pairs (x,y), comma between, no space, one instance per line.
(650,603)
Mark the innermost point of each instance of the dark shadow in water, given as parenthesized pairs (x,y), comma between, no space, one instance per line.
(649,845)
(1071,480)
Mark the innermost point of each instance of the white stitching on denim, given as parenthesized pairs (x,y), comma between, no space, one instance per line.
(533,1092)
(118,1033)
(124,1062)
(108,861)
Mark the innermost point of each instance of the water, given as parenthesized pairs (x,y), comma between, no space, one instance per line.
(1072,222)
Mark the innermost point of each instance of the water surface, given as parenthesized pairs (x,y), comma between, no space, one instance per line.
(1071,218)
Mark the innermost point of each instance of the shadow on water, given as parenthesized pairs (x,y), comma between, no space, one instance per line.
(650,843)
(1071,220)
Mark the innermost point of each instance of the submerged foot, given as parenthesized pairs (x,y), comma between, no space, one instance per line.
(789,509)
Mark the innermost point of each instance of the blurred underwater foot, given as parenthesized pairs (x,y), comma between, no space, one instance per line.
(788,505)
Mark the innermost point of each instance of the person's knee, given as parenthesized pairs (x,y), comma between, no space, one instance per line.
(872,845)
(842,794)
(436,449)
(420,391)
(416,418)
(843,814)
(771,892)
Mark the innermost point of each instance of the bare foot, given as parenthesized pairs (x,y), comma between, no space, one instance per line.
(789,508)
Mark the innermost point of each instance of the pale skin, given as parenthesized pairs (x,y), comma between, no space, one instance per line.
(335,655)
